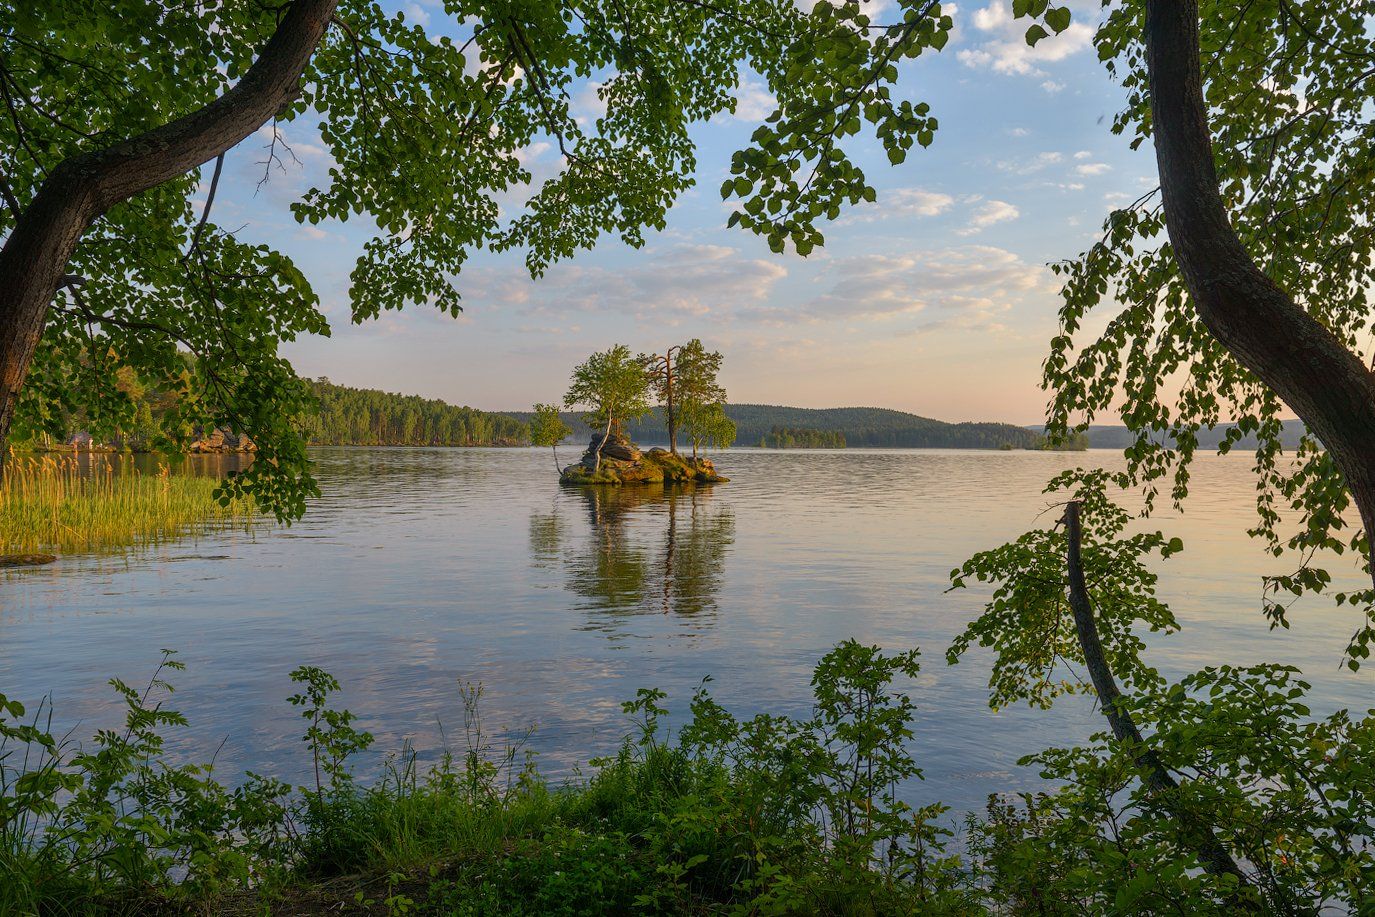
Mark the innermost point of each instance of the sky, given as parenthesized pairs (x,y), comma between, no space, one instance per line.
(936,299)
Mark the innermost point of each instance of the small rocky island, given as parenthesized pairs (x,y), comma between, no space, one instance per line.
(622,462)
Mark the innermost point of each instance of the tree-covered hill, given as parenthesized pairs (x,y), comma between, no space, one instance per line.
(860,427)
(369,417)
(868,427)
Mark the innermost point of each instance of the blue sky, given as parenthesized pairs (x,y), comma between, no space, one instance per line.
(935,300)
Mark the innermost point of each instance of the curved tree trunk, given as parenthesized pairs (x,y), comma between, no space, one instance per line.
(1212,854)
(81,188)
(1328,386)
(670,410)
(597,461)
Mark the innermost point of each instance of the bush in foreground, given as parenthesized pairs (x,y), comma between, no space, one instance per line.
(770,815)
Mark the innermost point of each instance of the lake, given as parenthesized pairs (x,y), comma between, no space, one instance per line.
(420,569)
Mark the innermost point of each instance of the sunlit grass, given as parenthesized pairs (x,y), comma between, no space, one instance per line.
(54,504)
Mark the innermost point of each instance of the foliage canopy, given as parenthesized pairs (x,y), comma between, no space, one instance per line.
(1287,89)
(427,130)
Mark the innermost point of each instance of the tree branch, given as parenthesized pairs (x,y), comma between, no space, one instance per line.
(1211,853)
(83,187)
(1261,325)
(209,202)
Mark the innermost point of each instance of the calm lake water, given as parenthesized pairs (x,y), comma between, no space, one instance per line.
(424,568)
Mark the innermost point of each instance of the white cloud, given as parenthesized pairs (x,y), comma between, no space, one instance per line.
(679,281)
(1092,168)
(987,214)
(1052,86)
(1083,154)
(418,15)
(899,203)
(531,152)
(1026,166)
(968,286)
(587,105)
(1004,48)
(753,101)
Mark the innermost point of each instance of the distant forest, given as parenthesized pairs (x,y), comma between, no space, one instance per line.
(861,428)
(789,438)
(368,417)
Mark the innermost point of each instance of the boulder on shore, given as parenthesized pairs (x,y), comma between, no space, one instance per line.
(219,440)
(618,447)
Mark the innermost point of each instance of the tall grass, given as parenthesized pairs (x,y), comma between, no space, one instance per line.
(54,504)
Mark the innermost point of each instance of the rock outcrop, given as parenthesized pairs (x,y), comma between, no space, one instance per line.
(618,447)
(622,462)
(219,440)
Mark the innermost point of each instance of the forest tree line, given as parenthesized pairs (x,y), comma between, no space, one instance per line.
(340,416)
(861,427)
(802,438)
(368,417)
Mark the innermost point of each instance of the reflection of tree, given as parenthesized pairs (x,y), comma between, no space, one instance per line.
(693,553)
(613,571)
(546,536)
(651,548)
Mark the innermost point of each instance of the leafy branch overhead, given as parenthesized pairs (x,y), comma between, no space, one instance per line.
(1027,620)
(428,132)
(796,170)
(1286,90)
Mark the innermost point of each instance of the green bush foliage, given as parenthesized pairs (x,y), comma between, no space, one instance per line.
(766,815)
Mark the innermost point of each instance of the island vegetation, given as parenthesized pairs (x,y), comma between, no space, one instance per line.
(790,438)
(615,388)
(1076,441)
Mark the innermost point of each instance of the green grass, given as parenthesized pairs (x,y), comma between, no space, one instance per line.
(55,504)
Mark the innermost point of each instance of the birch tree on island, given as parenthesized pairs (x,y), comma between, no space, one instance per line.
(614,388)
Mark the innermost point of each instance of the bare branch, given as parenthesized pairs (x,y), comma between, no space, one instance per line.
(209,202)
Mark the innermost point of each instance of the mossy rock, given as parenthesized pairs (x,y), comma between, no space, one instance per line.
(655,466)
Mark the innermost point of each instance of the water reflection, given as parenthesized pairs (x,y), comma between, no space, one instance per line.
(648,549)
(199,465)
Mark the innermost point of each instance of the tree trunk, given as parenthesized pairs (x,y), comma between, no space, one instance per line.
(1211,852)
(556,459)
(597,461)
(84,186)
(1328,386)
(669,410)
